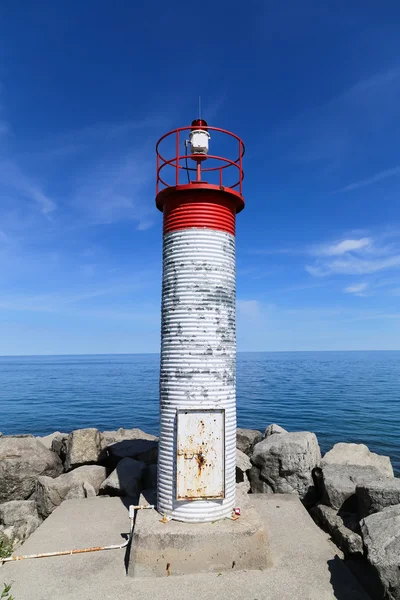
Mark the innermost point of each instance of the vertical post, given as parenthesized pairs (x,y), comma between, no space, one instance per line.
(177,158)
(157,170)
(198,169)
(240,166)
(220,176)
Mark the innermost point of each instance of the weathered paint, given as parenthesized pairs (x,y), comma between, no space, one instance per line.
(198,357)
(200,454)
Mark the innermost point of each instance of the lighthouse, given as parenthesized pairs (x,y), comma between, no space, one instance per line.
(199,192)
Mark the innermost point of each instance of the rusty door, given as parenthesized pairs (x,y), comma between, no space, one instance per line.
(200,454)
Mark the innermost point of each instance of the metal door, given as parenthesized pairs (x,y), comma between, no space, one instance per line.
(200,454)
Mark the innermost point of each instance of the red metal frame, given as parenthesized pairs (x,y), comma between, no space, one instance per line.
(174,162)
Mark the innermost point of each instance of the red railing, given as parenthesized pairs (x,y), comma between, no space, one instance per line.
(200,159)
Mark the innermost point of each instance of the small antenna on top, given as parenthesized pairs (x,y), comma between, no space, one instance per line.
(199,107)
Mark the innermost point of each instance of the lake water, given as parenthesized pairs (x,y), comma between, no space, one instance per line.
(341,396)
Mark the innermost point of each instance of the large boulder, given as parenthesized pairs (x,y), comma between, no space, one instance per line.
(274,429)
(120,435)
(359,455)
(59,445)
(18,519)
(246,439)
(338,483)
(243,466)
(22,461)
(126,479)
(83,482)
(129,443)
(377,495)
(343,528)
(286,461)
(47,440)
(381,535)
(82,447)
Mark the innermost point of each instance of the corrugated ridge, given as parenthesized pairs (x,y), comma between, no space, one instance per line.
(198,355)
(215,213)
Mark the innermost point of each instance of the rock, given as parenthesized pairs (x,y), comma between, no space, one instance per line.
(246,439)
(338,484)
(141,449)
(381,535)
(22,462)
(126,479)
(360,455)
(58,445)
(109,437)
(273,429)
(286,462)
(82,447)
(243,464)
(51,492)
(19,518)
(47,440)
(150,477)
(344,536)
(257,484)
(377,495)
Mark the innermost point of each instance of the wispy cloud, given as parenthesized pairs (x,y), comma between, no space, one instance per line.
(14,180)
(355,257)
(341,247)
(356,288)
(250,309)
(371,180)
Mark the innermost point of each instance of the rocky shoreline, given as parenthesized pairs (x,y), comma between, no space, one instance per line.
(350,492)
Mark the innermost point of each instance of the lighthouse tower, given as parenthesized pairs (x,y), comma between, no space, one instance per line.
(199,194)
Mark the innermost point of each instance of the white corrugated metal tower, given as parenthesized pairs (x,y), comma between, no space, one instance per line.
(197,448)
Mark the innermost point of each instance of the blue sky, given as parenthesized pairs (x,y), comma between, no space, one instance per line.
(86,88)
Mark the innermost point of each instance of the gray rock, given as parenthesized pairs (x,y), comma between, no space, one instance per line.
(273,429)
(286,462)
(47,440)
(51,492)
(143,450)
(58,445)
(243,465)
(109,437)
(377,495)
(246,439)
(19,518)
(82,447)
(150,477)
(257,484)
(381,535)
(338,484)
(126,479)
(360,455)
(344,537)
(22,462)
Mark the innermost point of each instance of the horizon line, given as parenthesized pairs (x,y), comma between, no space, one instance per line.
(158,353)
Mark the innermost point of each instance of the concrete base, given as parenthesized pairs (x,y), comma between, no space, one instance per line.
(175,548)
(306,565)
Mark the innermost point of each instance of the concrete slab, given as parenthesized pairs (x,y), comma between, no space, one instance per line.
(174,548)
(306,565)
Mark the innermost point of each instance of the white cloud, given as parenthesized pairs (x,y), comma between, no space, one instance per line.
(371,180)
(342,247)
(356,288)
(251,309)
(14,180)
(361,256)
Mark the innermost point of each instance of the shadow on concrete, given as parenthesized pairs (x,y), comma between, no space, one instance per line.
(344,584)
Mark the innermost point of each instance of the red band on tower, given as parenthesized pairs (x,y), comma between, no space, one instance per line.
(209,211)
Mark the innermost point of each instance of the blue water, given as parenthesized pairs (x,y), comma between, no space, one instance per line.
(341,396)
